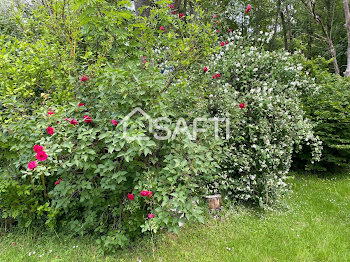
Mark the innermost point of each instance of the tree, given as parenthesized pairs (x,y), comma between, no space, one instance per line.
(347,25)
(326,31)
(278,7)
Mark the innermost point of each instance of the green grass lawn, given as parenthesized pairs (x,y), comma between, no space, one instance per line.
(314,227)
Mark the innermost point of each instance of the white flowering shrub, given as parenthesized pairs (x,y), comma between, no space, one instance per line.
(260,92)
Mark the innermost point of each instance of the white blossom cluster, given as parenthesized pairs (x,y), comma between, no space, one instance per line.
(272,125)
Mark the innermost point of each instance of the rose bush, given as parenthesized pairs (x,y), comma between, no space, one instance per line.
(69,153)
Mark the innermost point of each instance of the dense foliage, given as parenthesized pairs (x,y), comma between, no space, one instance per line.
(329,110)
(72,72)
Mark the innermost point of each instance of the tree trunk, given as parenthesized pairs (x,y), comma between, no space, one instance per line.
(278,7)
(139,4)
(347,24)
(334,55)
(309,41)
(284,31)
(291,47)
(326,32)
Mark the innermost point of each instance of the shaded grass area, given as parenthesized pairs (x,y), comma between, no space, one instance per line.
(315,226)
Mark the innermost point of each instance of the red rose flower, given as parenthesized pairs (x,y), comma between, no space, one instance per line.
(144,61)
(73,121)
(230,30)
(84,78)
(50,112)
(81,104)
(131,196)
(205,69)
(222,43)
(161,28)
(38,148)
(114,122)
(214,76)
(150,216)
(218,75)
(32,165)
(41,156)
(226,42)
(242,105)
(171,6)
(215,16)
(87,119)
(149,193)
(249,7)
(174,12)
(58,181)
(217,30)
(49,130)
(181,15)
(144,193)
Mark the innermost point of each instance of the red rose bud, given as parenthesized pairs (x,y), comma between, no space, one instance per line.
(131,197)
(32,165)
(181,15)
(41,156)
(205,69)
(87,119)
(84,78)
(249,7)
(50,112)
(242,105)
(58,181)
(38,148)
(81,104)
(222,43)
(73,121)
(49,130)
(114,122)
(161,28)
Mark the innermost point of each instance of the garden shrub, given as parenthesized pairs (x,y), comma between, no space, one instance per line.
(91,180)
(329,109)
(261,91)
